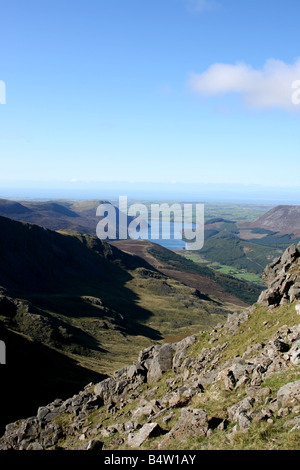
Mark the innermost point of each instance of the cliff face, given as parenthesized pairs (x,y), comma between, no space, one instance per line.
(235,387)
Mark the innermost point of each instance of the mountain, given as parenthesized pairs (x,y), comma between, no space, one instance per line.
(73,308)
(281,219)
(57,215)
(235,387)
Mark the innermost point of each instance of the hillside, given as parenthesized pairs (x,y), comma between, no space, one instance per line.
(79,216)
(72,299)
(208,281)
(236,387)
(281,219)
(242,249)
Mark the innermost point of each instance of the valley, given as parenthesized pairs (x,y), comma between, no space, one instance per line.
(73,308)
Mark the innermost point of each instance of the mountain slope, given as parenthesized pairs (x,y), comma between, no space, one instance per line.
(234,388)
(78,299)
(282,219)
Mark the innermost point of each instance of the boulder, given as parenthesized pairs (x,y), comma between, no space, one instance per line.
(191,422)
(294,353)
(240,409)
(148,430)
(161,362)
(289,395)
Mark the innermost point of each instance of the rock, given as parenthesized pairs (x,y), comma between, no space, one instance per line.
(280,345)
(42,412)
(168,418)
(35,446)
(294,294)
(192,421)
(234,320)
(283,412)
(229,381)
(244,421)
(180,355)
(161,362)
(262,415)
(283,284)
(294,353)
(293,423)
(94,445)
(240,409)
(105,389)
(148,430)
(145,409)
(297,308)
(289,394)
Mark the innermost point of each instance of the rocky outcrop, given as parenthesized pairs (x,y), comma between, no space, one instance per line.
(283,279)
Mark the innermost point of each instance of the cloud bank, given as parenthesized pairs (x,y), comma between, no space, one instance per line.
(274,86)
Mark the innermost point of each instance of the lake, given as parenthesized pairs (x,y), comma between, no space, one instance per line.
(172,243)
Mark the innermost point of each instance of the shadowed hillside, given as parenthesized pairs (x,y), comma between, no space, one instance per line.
(73,301)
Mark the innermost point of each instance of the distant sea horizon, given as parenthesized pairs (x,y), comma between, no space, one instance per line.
(140,197)
(230,194)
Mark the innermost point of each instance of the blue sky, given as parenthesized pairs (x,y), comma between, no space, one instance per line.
(192,92)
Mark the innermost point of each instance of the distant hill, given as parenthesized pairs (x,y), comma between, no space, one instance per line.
(280,219)
(79,216)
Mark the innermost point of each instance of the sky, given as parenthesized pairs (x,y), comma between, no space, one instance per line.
(169,94)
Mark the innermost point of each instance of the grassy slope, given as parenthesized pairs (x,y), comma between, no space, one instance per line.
(216,400)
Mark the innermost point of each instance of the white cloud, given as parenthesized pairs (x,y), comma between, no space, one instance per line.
(270,87)
(198,6)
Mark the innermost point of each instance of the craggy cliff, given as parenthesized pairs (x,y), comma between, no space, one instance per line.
(235,387)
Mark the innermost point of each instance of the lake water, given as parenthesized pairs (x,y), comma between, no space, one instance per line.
(172,243)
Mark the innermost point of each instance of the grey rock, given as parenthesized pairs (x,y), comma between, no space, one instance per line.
(294,353)
(241,408)
(161,362)
(147,431)
(34,446)
(192,421)
(94,445)
(289,394)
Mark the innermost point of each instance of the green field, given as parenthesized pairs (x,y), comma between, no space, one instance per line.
(223,269)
